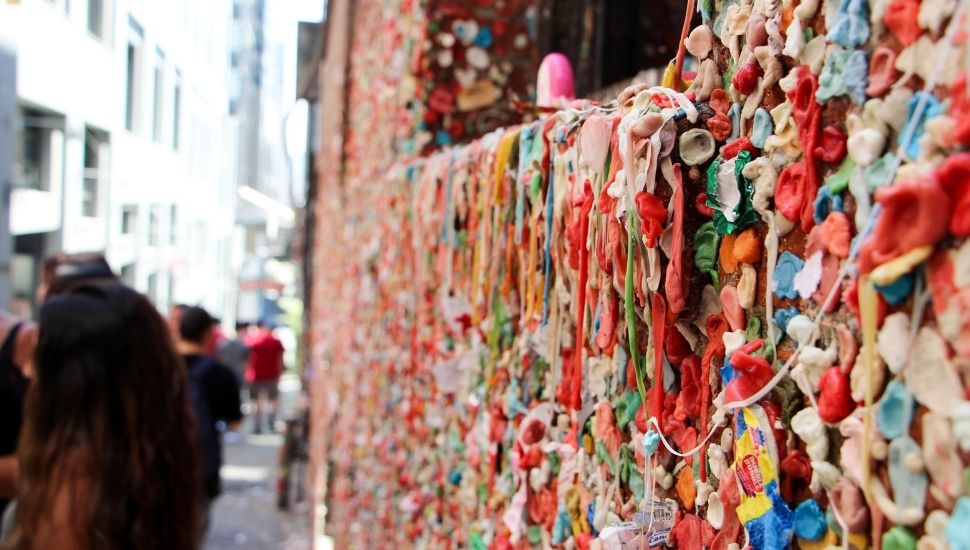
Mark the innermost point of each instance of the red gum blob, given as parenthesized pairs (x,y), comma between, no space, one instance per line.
(715,327)
(773,411)
(832,149)
(954,176)
(882,71)
(851,299)
(730,498)
(688,405)
(653,216)
(719,101)
(798,466)
(688,440)
(795,193)
(719,126)
(691,533)
(606,336)
(835,396)
(746,78)
(751,373)
(922,207)
(676,346)
(743,143)
(798,182)
(835,233)
(700,205)
(574,230)
(941,281)
(563,395)
(848,347)
(960,109)
(901,18)
(577,383)
(830,272)
(732,307)
(674,283)
(616,238)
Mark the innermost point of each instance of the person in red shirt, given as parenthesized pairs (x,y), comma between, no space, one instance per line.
(263,372)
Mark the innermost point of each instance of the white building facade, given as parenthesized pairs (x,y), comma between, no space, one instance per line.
(125,144)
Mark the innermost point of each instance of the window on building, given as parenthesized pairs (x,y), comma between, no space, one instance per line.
(158,100)
(38,149)
(129,219)
(153,223)
(95,164)
(132,104)
(96,18)
(176,111)
(128,274)
(134,76)
(151,289)
(173,223)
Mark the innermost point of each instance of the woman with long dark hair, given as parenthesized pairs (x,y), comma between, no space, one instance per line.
(108,452)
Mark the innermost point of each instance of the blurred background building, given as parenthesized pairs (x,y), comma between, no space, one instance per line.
(125,144)
(152,132)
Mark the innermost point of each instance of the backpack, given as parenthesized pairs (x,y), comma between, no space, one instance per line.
(209,443)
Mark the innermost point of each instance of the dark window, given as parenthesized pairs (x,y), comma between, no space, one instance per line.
(153,226)
(176,112)
(129,219)
(96,17)
(128,274)
(158,103)
(173,223)
(38,150)
(95,151)
(131,98)
(152,287)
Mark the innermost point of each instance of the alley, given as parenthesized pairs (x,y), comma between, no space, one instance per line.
(245,516)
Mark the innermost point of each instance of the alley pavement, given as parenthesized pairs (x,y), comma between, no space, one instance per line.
(245,516)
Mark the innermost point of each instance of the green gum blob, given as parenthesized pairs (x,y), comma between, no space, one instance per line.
(753,330)
(899,538)
(839,181)
(706,241)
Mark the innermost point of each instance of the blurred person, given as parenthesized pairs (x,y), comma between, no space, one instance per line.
(16,353)
(174,316)
(108,451)
(59,274)
(263,372)
(63,271)
(218,337)
(234,353)
(216,392)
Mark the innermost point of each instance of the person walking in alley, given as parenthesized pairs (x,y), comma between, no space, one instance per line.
(105,458)
(16,354)
(263,373)
(234,353)
(215,392)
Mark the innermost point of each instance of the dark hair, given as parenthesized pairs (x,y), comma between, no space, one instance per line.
(241,325)
(194,324)
(64,272)
(109,404)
